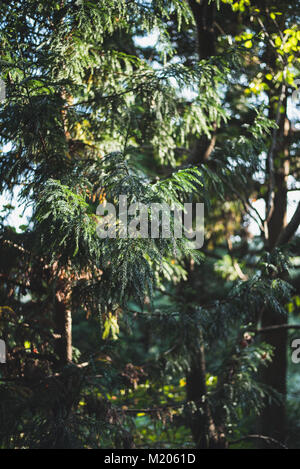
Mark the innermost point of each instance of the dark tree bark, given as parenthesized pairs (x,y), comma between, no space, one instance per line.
(205,433)
(275,375)
(274,414)
(204,13)
(63,321)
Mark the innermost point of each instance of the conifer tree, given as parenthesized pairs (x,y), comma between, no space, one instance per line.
(89,115)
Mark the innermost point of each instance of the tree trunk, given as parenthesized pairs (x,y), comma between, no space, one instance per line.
(203,428)
(63,328)
(274,414)
(205,433)
(204,13)
(275,375)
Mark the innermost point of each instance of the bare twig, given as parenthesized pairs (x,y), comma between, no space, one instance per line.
(278,327)
(267,439)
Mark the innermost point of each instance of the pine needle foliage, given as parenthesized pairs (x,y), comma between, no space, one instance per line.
(87,118)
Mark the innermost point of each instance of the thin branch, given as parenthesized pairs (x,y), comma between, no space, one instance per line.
(291,228)
(247,206)
(271,42)
(235,264)
(278,327)
(267,439)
